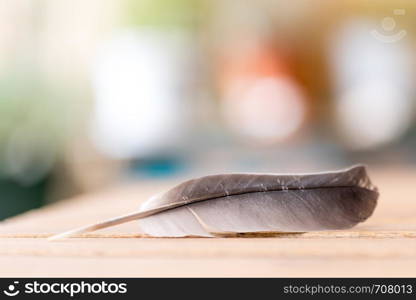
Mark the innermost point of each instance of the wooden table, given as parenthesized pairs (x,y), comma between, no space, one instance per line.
(385,245)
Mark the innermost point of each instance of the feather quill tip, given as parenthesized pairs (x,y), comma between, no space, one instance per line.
(67,234)
(104,224)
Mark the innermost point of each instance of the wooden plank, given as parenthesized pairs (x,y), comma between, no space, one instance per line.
(383,246)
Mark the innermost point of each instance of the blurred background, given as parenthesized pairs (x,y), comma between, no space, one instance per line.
(101,92)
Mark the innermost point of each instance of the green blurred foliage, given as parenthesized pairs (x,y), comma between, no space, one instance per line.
(33,127)
(162,13)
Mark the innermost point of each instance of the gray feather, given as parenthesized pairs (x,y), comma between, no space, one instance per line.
(237,203)
(263,202)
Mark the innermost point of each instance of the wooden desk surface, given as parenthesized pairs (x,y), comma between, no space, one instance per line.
(385,245)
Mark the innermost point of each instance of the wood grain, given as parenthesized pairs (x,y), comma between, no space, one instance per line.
(385,245)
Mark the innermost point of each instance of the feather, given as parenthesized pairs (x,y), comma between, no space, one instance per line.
(216,204)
